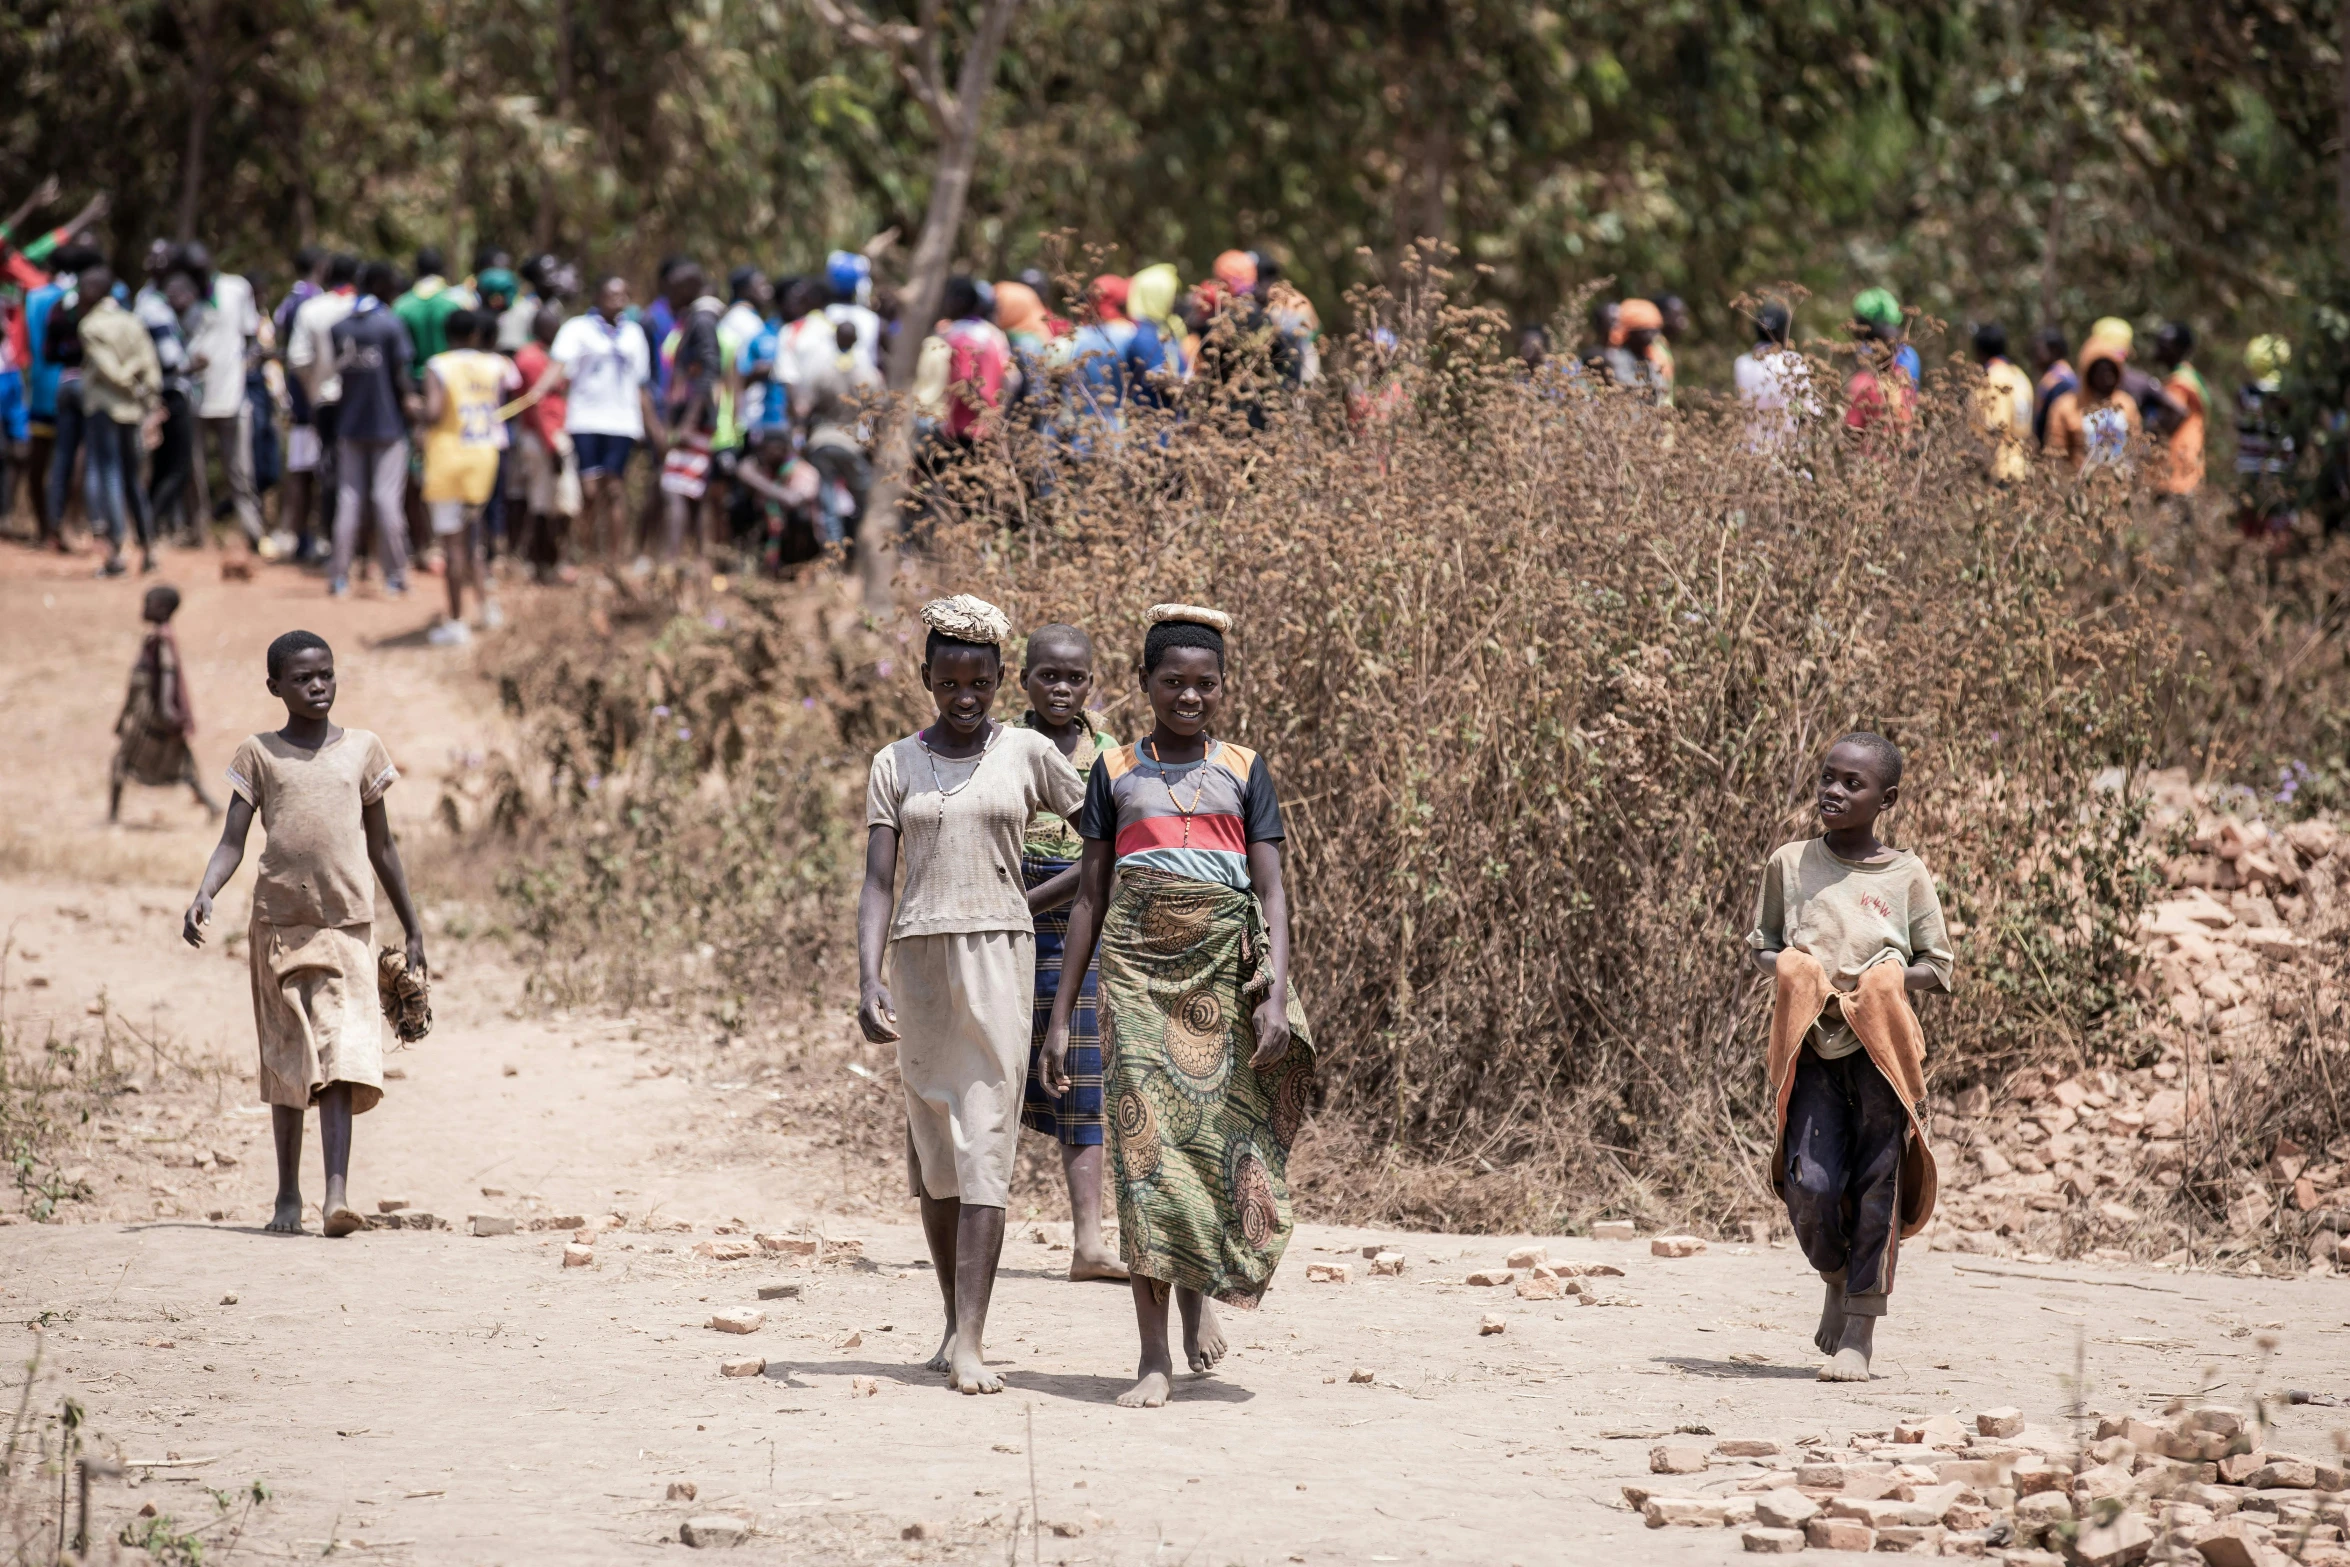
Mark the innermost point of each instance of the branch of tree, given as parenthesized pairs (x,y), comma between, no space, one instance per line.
(913,51)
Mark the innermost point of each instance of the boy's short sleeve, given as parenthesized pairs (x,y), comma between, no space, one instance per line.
(1929,935)
(1770,909)
(377,773)
(248,773)
(1260,806)
(1058,788)
(883,791)
(1098,818)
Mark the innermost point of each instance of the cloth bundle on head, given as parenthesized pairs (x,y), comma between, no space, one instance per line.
(1640,315)
(1236,270)
(1191,615)
(2265,358)
(1878,308)
(967,618)
(1110,293)
(2112,334)
(496,283)
(1152,292)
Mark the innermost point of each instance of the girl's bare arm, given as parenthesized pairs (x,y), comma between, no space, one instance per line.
(229,854)
(383,852)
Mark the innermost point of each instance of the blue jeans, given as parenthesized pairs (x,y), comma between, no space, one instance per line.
(110,477)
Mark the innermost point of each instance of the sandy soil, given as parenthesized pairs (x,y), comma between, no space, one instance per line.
(446,1398)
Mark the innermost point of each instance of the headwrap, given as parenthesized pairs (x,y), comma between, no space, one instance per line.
(2265,358)
(1151,293)
(1192,614)
(1020,313)
(2099,348)
(850,275)
(498,281)
(1640,315)
(1878,308)
(1236,270)
(2112,333)
(1110,293)
(966,618)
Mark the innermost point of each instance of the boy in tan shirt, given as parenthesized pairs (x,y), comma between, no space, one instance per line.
(319,793)
(1846,926)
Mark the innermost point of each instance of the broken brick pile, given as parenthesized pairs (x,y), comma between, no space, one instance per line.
(2048,1164)
(2196,1485)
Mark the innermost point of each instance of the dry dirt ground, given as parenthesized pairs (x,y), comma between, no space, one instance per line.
(430,1396)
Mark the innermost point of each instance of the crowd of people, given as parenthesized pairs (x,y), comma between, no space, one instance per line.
(497,417)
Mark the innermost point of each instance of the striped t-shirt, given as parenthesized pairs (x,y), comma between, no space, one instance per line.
(1193,819)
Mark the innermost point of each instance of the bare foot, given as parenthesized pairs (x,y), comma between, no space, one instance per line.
(967,1373)
(1149,1393)
(1095,1262)
(1203,1341)
(287,1220)
(1831,1329)
(944,1360)
(343,1221)
(1851,1363)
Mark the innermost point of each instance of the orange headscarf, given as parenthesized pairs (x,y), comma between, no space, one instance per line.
(1236,270)
(1640,315)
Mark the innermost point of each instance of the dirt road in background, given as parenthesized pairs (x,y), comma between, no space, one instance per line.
(429,1396)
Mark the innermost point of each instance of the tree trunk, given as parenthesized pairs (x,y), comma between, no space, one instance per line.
(934,252)
(2342,126)
(202,86)
(544,226)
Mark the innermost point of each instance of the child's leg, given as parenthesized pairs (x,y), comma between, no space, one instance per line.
(285,1123)
(1089,1257)
(941,1219)
(1203,1335)
(114,789)
(1880,1131)
(979,1246)
(1814,1183)
(334,1141)
(1155,1375)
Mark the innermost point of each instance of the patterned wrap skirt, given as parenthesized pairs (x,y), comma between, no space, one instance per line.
(1076,1117)
(1199,1138)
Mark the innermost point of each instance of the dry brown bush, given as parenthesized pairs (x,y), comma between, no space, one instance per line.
(1543,675)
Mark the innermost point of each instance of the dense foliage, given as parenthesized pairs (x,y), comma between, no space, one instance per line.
(1981,156)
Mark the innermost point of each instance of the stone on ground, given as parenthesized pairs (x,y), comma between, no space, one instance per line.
(1785,1508)
(1491,1325)
(779,1292)
(1614,1230)
(1529,1257)
(1670,1458)
(713,1529)
(743,1366)
(1675,1246)
(491,1223)
(578,1256)
(1772,1542)
(2004,1421)
(1328,1272)
(738,1319)
(1839,1534)
(1492,1278)
(683,1490)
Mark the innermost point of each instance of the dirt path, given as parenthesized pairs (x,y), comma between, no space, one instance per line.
(445,1398)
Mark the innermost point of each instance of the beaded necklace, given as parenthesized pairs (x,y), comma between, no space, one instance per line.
(1199,788)
(937,784)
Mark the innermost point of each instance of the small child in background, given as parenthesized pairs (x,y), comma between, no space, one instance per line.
(1846,926)
(157,718)
(319,792)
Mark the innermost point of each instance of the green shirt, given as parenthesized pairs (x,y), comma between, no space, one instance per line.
(1051,837)
(425,310)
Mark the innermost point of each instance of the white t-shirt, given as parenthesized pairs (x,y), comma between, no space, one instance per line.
(229,326)
(311,353)
(1775,385)
(607,365)
(868,327)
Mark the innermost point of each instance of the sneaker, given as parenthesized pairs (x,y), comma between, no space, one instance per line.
(339,588)
(114,567)
(449,633)
(492,617)
(396,590)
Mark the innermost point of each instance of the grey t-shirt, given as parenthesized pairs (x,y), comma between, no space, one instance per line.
(961,824)
(1849,915)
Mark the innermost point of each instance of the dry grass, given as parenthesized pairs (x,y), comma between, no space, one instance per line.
(1543,675)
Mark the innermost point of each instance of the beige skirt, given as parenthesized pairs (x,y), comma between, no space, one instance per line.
(315,1008)
(964,1004)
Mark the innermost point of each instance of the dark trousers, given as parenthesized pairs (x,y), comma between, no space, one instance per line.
(1845,1133)
(71,422)
(174,467)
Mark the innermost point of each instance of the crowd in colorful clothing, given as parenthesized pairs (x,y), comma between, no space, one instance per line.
(500,414)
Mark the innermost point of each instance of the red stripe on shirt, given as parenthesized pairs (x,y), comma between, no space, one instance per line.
(1166,832)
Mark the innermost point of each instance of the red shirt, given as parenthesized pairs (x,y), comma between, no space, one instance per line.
(545,420)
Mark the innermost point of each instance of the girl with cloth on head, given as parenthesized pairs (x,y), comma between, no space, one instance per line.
(1207,1064)
(957,798)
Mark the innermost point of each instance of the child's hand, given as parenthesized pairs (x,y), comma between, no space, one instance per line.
(1053,1069)
(875,1017)
(198,916)
(416,955)
(1272,1021)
